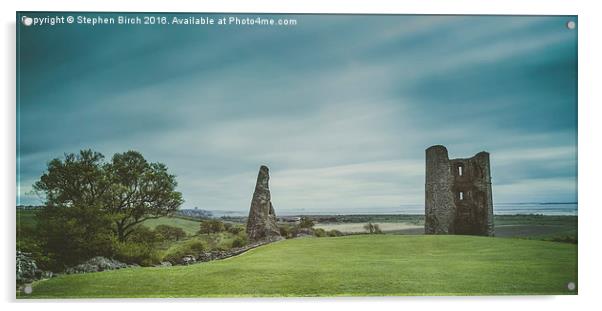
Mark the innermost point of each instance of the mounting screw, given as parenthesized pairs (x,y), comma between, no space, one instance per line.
(571,25)
(571,286)
(27,21)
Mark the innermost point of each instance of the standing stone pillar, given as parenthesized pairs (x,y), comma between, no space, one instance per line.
(261,223)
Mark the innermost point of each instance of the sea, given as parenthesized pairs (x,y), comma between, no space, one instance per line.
(552,209)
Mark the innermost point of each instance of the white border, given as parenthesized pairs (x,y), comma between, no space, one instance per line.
(589,142)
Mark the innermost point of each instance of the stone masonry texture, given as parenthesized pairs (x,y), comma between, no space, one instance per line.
(458,197)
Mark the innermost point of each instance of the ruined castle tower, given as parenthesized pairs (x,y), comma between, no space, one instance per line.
(261,223)
(458,198)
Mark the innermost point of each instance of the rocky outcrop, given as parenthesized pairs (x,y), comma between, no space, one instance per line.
(27,269)
(261,223)
(96,264)
(187,260)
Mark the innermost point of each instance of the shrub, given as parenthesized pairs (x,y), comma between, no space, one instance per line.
(211,226)
(235,229)
(297,231)
(319,232)
(306,223)
(176,252)
(286,231)
(136,253)
(144,235)
(240,241)
(32,247)
(333,233)
(70,235)
(170,233)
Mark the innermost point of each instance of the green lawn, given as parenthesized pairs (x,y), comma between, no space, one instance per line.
(347,266)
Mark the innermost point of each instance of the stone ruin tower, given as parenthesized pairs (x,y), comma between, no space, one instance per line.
(458,198)
(261,224)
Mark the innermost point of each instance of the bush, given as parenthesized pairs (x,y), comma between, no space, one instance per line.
(306,223)
(144,235)
(334,233)
(319,232)
(176,252)
(136,253)
(70,235)
(32,247)
(235,229)
(211,226)
(240,242)
(297,231)
(286,231)
(170,233)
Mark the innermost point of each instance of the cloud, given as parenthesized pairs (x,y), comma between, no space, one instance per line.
(340,107)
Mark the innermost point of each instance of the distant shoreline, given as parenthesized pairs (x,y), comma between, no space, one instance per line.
(499,209)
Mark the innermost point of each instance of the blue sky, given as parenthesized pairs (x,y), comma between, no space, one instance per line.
(340,107)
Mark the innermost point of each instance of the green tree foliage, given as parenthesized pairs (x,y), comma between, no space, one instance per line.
(306,222)
(132,252)
(70,235)
(334,233)
(179,250)
(139,191)
(144,235)
(170,233)
(235,229)
(128,190)
(211,226)
(286,231)
(319,232)
(240,241)
(91,203)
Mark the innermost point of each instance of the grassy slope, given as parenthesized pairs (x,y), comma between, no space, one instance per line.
(352,265)
(190,226)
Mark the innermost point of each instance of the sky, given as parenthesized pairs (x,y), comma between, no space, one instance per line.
(340,107)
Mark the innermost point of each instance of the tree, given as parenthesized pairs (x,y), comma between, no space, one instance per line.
(70,234)
(144,235)
(306,222)
(211,226)
(170,232)
(373,228)
(72,226)
(235,229)
(128,190)
(377,229)
(139,191)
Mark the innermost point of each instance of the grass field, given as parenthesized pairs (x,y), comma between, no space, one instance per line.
(346,266)
(538,227)
(190,226)
(359,227)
